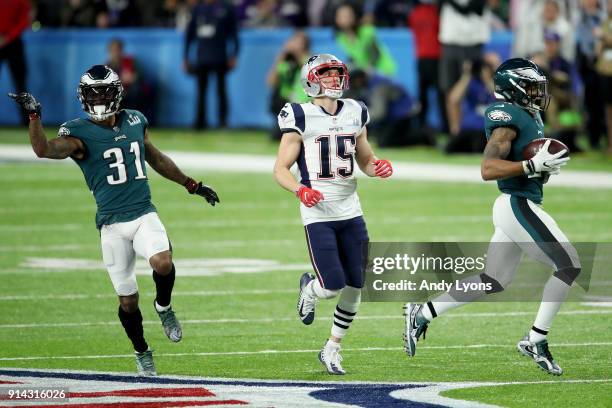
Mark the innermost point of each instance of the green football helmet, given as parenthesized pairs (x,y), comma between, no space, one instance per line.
(522,82)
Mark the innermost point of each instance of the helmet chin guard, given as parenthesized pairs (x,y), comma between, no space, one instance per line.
(311,76)
(100,92)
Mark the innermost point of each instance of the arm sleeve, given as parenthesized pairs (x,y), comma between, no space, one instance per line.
(291,118)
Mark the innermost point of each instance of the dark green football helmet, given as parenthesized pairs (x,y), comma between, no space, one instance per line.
(522,82)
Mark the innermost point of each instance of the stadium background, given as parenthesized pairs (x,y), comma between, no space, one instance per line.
(241,260)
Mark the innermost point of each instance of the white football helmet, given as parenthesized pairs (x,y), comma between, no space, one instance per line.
(100,92)
(311,80)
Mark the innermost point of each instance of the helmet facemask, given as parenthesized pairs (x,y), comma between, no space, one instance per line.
(537,93)
(100,98)
(331,85)
(325,76)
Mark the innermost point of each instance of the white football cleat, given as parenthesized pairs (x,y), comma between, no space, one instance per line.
(414,327)
(539,352)
(306,303)
(145,364)
(330,357)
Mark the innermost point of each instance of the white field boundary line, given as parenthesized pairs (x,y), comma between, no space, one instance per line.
(243,163)
(265,352)
(289,319)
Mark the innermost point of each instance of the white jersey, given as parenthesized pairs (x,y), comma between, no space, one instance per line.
(327,157)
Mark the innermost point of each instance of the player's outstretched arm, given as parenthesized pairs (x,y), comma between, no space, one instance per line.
(494,165)
(168,169)
(58,148)
(288,152)
(367,161)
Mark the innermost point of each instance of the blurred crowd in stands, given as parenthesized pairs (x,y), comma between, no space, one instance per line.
(570,39)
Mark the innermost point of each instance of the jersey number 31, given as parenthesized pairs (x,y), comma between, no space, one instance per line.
(121,176)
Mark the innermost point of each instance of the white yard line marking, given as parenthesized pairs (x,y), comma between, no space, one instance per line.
(597,304)
(288,319)
(186,266)
(263,352)
(78,296)
(241,163)
(257,223)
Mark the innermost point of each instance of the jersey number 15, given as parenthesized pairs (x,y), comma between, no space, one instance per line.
(344,151)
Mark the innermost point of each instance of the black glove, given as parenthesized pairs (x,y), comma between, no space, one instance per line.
(29,104)
(202,190)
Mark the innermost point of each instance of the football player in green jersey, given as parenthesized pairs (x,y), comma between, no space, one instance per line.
(110,147)
(521,225)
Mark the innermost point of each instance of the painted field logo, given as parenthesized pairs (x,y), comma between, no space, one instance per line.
(499,116)
(93,390)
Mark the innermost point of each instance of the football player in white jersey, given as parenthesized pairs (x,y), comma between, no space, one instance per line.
(325,137)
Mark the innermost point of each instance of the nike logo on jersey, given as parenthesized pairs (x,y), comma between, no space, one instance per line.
(120,137)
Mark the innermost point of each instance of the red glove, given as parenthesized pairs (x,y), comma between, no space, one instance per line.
(383,168)
(308,196)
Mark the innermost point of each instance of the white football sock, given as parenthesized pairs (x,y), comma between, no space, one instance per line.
(453,298)
(314,289)
(345,312)
(161,308)
(555,292)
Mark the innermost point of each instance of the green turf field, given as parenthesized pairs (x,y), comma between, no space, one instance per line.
(243,325)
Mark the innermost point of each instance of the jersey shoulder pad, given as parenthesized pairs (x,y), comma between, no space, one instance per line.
(69,128)
(291,118)
(502,113)
(135,117)
(362,110)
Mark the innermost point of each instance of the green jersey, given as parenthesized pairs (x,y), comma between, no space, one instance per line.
(528,126)
(114,165)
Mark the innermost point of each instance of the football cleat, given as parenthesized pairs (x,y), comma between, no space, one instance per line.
(145,364)
(540,354)
(415,325)
(171,325)
(306,303)
(330,357)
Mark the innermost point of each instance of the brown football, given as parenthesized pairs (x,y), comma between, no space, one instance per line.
(535,145)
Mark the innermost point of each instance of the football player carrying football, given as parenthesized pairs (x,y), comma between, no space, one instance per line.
(325,137)
(521,225)
(111,147)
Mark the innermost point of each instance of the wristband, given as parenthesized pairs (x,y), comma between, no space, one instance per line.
(528,167)
(34,116)
(191,185)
